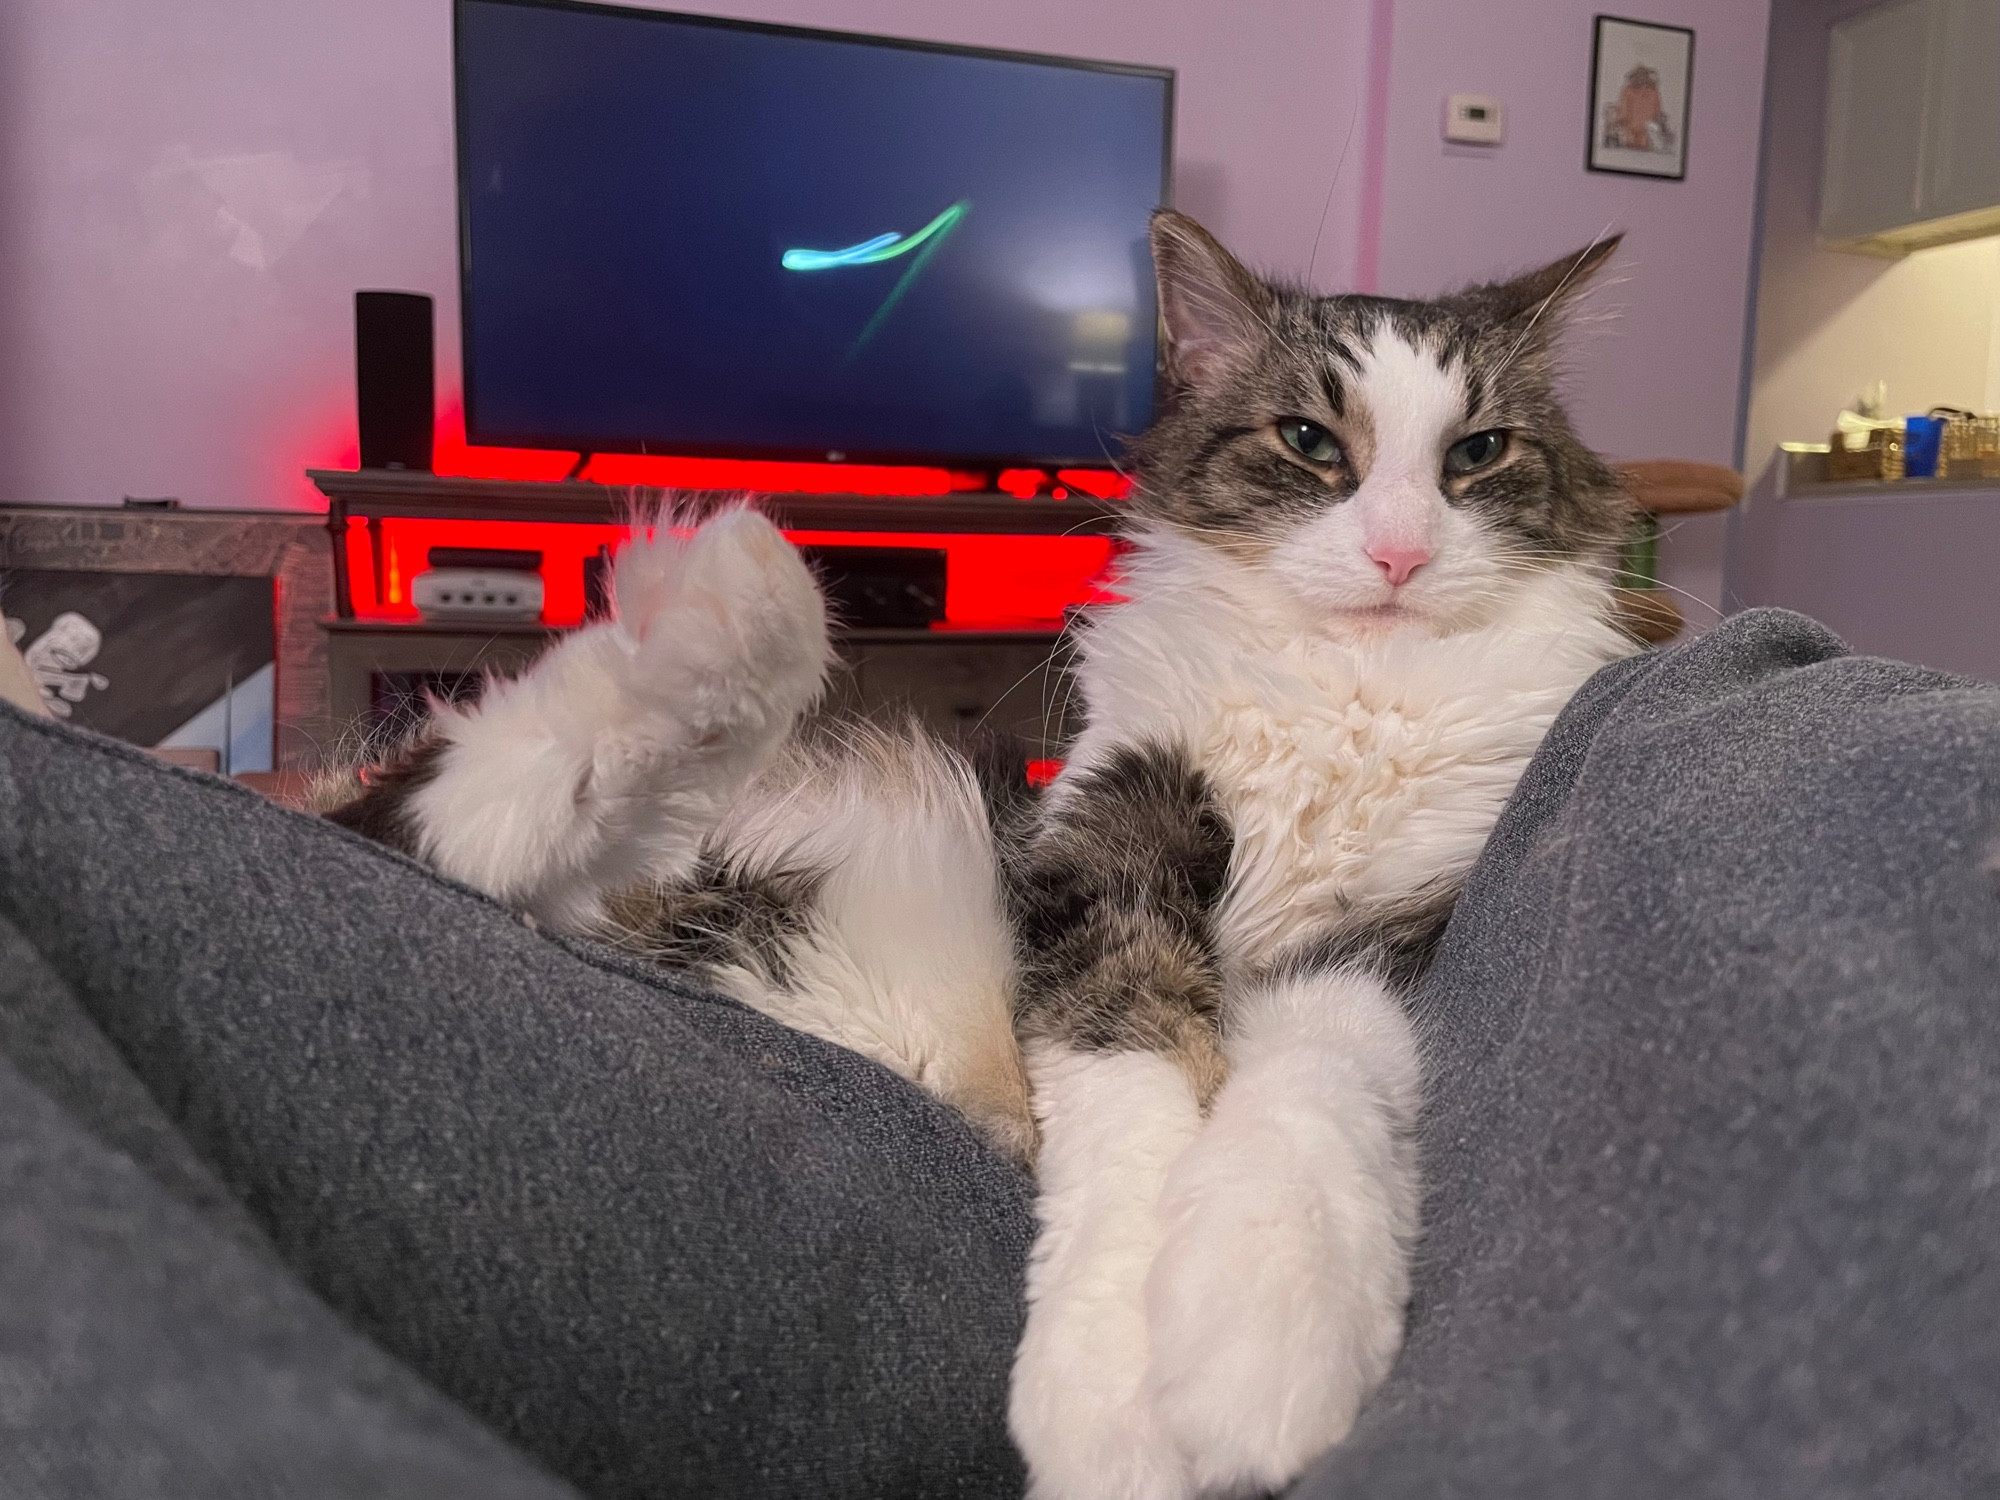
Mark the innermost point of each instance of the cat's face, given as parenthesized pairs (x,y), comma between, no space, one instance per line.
(1385,462)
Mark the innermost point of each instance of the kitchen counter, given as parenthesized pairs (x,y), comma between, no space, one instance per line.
(1802,476)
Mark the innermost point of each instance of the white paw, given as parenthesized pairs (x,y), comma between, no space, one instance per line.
(1275,1305)
(728,624)
(1083,1449)
(611,759)
(1111,1123)
(1270,1319)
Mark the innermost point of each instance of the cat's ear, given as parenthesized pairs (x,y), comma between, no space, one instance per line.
(1213,309)
(1541,296)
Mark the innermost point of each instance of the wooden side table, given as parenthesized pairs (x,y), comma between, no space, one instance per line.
(1670,486)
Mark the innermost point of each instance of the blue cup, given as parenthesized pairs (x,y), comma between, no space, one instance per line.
(1922,437)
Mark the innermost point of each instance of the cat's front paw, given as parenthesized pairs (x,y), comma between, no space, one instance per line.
(1080,1446)
(1276,1303)
(727,624)
(1111,1123)
(1269,1324)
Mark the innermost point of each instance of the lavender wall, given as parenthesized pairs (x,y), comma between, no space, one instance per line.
(1906,574)
(191,193)
(194,190)
(1658,358)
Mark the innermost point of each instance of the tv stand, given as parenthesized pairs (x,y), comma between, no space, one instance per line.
(953,680)
(953,677)
(373,495)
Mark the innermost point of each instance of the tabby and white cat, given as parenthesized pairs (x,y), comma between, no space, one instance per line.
(1371,561)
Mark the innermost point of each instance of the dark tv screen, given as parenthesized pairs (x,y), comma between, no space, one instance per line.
(683,235)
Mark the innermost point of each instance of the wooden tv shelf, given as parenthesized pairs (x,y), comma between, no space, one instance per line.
(1010,679)
(371,495)
(394,492)
(1000,675)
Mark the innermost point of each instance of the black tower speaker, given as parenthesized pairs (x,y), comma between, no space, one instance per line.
(394,387)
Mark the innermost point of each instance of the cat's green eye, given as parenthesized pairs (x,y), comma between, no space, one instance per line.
(1469,455)
(1312,441)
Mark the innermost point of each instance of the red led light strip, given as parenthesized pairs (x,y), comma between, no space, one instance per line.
(991,581)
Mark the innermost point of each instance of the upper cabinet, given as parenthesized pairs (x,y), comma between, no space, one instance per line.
(1913,126)
(1962,161)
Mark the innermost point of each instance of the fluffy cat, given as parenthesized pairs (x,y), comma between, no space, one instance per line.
(1370,562)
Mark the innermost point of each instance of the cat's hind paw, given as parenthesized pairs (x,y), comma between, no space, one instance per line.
(611,759)
(727,624)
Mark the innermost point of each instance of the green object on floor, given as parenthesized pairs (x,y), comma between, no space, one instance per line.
(1639,563)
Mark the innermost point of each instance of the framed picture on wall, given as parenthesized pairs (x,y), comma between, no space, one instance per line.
(1641,83)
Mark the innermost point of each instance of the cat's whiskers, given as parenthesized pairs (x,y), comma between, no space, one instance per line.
(1040,666)
(1312,260)
(1673,588)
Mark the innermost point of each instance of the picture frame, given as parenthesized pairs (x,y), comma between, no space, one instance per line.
(238,611)
(1641,89)
(171,660)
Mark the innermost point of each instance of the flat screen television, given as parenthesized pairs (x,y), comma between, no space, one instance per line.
(687,235)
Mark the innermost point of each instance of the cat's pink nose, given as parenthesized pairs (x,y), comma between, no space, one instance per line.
(1398,560)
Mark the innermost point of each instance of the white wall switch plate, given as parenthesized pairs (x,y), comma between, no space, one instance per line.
(1474,119)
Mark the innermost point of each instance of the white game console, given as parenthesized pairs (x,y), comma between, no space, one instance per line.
(477,594)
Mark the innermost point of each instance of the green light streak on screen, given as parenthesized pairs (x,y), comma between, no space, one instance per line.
(882,247)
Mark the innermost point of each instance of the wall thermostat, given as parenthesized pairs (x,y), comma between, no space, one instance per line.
(1474,120)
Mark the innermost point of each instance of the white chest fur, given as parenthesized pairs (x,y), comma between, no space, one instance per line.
(1352,770)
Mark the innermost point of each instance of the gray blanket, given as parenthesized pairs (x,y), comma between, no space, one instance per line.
(322,1176)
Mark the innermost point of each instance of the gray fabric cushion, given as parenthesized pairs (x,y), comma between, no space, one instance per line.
(57,1048)
(1713,1137)
(663,1243)
(148,1346)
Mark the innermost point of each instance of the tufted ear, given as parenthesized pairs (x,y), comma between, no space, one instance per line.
(1213,309)
(1540,296)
